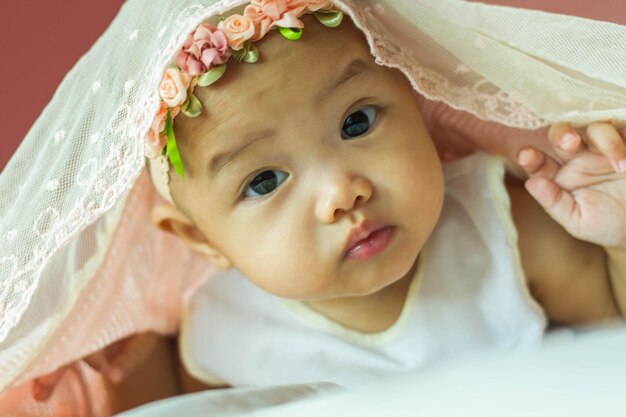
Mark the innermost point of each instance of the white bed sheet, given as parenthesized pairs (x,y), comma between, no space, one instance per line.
(572,374)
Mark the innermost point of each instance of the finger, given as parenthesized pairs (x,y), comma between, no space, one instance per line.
(557,202)
(43,387)
(536,163)
(98,361)
(565,140)
(609,143)
(135,351)
(115,349)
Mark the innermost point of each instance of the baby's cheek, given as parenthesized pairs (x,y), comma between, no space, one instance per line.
(421,190)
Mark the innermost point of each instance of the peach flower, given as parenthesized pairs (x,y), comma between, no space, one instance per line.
(237,29)
(266,14)
(205,48)
(315,5)
(156,138)
(173,88)
(155,142)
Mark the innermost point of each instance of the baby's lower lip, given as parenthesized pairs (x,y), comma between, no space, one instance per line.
(372,245)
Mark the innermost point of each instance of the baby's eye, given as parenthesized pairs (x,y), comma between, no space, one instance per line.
(359,122)
(264,183)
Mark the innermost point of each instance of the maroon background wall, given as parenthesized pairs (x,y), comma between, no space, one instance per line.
(40,40)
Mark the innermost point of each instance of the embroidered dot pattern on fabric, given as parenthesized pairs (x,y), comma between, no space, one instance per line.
(128,85)
(86,174)
(52,185)
(132,34)
(59,136)
(11,235)
(94,138)
(45,221)
(95,87)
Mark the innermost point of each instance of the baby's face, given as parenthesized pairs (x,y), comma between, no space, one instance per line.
(311,170)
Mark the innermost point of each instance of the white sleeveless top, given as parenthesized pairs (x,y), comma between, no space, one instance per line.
(469,292)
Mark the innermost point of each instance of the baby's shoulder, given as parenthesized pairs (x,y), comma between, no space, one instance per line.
(567,276)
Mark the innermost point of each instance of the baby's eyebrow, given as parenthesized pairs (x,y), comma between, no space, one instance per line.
(222,159)
(356,67)
(218,162)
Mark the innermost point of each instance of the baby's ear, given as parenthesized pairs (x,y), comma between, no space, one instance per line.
(169,219)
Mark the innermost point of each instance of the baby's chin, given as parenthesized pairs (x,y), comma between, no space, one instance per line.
(405,274)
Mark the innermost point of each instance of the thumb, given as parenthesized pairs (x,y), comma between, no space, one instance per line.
(557,202)
(43,387)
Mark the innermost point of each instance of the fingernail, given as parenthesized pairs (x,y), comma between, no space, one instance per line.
(525,156)
(568,139)
(622,166)
(115,374)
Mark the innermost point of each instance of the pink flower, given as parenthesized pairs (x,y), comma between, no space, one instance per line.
(237,29)
(315,5)
(205,48)
(155,142)
(156,138)
(266,14)
(173,88)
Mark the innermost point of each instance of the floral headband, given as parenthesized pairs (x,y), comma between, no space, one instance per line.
(202,61)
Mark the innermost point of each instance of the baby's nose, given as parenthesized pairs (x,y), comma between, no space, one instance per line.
(342,195)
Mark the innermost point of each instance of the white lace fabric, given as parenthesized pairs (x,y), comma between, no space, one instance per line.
(80,264)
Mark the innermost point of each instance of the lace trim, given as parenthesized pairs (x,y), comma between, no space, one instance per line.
(483,99)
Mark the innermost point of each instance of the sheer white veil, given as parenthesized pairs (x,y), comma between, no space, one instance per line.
(80,264)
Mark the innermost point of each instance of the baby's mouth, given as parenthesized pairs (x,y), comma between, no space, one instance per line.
(368,240)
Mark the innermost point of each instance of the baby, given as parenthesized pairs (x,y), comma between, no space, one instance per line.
(312,173)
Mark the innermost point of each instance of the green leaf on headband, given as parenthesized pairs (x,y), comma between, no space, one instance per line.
(211,75)
(293,34)
(249,53)
(330,18)
(172,147)
(192,107)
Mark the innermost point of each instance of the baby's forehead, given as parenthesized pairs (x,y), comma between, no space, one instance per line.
(286,69)
(289,73)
